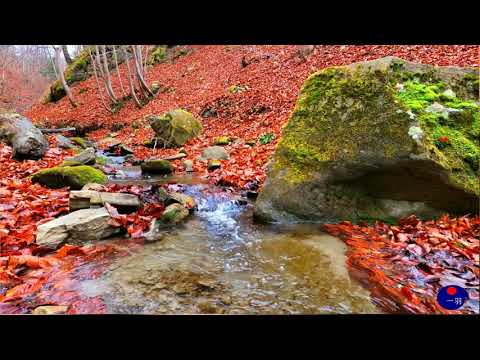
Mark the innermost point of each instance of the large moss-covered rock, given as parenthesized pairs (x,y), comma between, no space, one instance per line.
(175,128)
(378,140)
(73,176)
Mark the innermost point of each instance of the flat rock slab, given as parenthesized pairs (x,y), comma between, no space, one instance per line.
(76,228)
(84,199)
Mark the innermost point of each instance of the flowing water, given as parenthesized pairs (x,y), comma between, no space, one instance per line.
(221,261)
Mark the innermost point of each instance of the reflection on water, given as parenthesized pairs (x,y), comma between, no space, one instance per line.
(219,261)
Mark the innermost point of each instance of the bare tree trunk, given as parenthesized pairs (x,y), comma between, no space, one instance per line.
(98,82)
(139,72)
(106,71)
(130,81)
(62,77)
(68,59)
(118,71)
(147,49)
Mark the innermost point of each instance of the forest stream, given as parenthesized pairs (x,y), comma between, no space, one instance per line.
(221,261)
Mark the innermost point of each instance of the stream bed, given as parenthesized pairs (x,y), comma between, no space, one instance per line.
(219,261)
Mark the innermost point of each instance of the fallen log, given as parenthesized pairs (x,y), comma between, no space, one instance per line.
(26,140)
(59,130)
(84,199)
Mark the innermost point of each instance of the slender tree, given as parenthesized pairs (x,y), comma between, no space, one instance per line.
(97,81)
(106,71)
(61,76)
(130,80)
(138,68)
(118,71)
(68,59)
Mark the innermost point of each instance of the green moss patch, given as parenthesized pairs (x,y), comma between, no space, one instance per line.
(73,176)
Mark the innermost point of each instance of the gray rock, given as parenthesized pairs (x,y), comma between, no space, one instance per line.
(27,141)
(86,157)
(188,164)
(76,228)
(64,142)
(214,153)
(185,200)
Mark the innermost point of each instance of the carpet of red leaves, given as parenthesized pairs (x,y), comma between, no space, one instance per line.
(404,266)
(200,80)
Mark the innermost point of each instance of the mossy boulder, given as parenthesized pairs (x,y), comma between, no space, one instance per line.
(363,143)
(160,166)
(73,176)
(175,128)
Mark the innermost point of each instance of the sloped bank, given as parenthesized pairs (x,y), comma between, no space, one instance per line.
(378,140)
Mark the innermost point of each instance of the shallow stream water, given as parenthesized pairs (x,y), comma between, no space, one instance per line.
(220,261)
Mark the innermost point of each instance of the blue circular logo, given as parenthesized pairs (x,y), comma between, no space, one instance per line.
(452,297)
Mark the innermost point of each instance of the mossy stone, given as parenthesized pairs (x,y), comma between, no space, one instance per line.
(73,176)
(174,128)
(221,140)
(360,144)
(214,164)
(161,167)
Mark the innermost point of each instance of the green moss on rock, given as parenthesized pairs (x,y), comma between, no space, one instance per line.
(221,140)
(174,128)
(73,176)
(360,143)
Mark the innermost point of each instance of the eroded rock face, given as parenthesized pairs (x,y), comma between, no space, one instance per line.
(76,228)
(27,141)
(366,141)
(175,128)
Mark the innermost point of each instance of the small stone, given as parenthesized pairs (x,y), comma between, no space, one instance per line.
(50,310)
(86,157)
(214,164)
(226,299)
(222,140)
(94,187)
(173,214)
(185,200)
(449,93)
(206,306)
(157,166)
(188,165)
(214,152)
